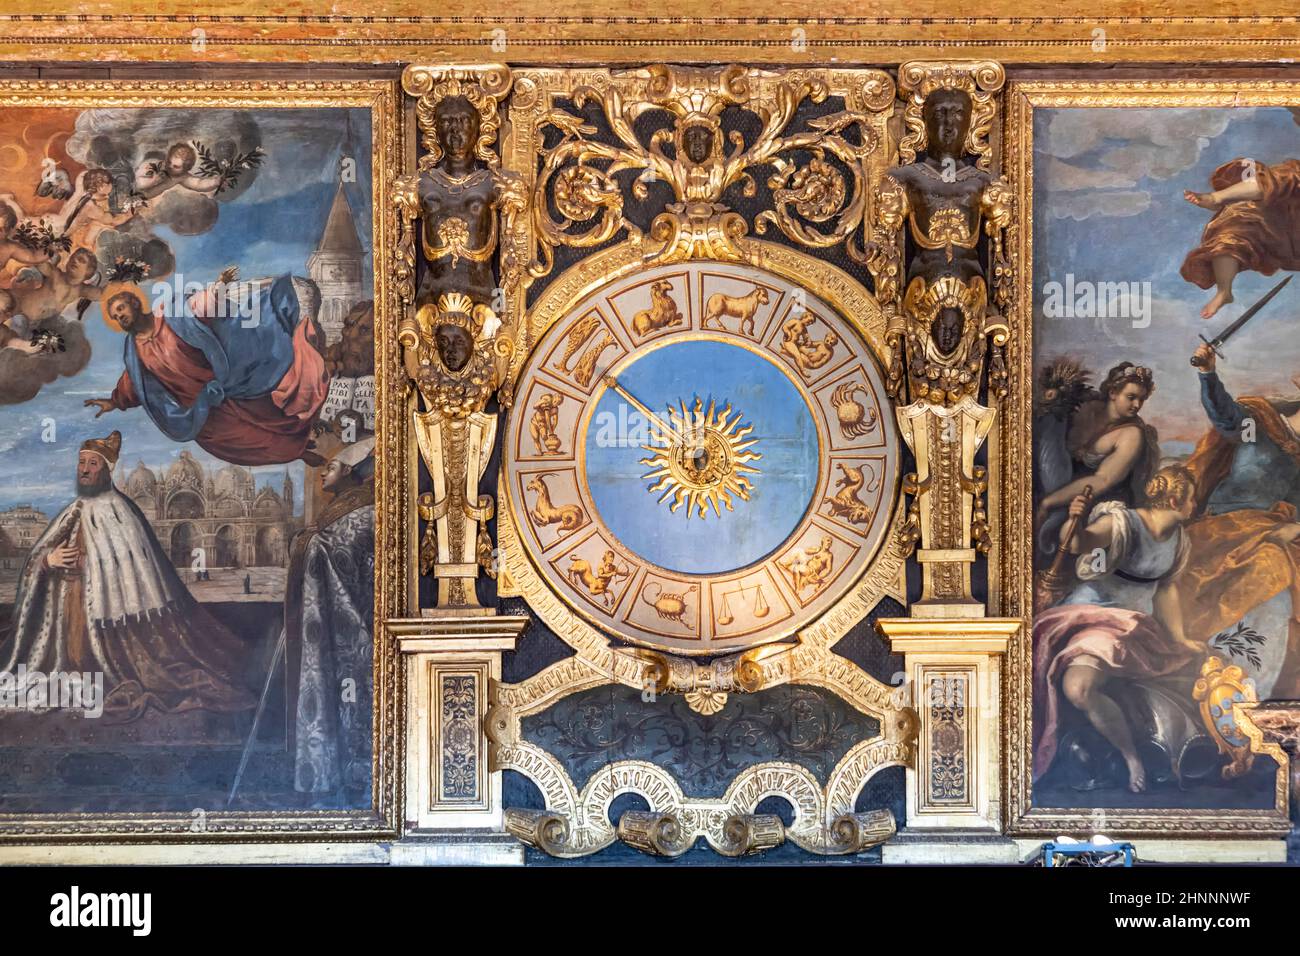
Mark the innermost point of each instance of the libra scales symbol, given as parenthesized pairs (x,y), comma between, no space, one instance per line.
(759,607)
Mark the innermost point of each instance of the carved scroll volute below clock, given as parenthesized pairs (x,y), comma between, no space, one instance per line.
(459,284)
(933,278)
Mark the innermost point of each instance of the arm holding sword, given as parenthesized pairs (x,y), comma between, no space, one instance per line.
(1225,413)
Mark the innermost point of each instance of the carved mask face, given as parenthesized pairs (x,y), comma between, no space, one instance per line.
(698,143)
(455,346)
(947,122)
(946,330)
(457,123)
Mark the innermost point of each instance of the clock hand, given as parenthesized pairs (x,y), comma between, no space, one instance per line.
(669,433)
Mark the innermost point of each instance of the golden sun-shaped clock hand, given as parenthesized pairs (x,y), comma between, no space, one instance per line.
(707,458)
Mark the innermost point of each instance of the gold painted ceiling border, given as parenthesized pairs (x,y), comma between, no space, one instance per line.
(585,33)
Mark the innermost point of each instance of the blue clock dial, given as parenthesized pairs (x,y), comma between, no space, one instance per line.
(717,465)
(699,455)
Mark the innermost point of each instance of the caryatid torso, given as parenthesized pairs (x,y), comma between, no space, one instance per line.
(458,201)
(942,202)
(944,199)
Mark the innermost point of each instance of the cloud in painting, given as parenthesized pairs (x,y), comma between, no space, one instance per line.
(1116,203)
(1096,157)
(22,376)
(1138,143)
(1067,177)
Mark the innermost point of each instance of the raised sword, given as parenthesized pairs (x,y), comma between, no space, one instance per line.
(1235,326)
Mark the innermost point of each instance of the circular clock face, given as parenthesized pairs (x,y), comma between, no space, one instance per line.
(699,457)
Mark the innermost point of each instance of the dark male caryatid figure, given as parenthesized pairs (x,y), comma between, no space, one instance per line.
(454,346)
(934,283)
(932,274)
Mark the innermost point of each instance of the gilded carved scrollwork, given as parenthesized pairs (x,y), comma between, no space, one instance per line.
(705,685)
(543,829)
(659,834)
(855,832)
(745,833)
(818,174)
(576,822)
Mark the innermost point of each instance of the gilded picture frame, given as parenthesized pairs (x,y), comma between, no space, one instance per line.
(1011,567)
(380,99)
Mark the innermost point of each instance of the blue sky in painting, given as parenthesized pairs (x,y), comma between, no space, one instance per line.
(1109,207)
(269,229)
(787,439)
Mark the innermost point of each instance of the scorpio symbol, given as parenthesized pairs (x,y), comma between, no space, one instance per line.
(668,605)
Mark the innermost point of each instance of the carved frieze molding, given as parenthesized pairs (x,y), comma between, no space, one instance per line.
(577,823)
(591,32)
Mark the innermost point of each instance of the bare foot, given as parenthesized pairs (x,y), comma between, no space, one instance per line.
(1220,299)
(1204,200)
(1137,775)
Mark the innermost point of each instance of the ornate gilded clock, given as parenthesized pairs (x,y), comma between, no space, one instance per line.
(701,457)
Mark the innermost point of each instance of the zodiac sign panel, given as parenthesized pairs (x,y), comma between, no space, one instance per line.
(701,459)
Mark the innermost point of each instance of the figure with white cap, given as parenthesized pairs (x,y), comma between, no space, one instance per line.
(99,594)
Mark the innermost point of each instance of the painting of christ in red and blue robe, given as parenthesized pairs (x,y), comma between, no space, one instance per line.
(187,422)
